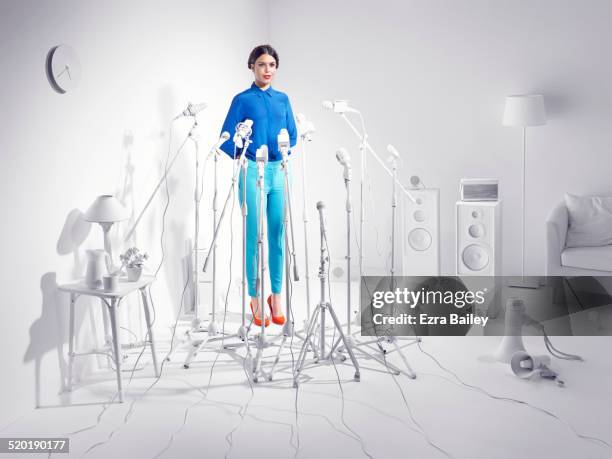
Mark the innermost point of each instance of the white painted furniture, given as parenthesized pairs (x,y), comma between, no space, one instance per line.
(112,301)
(572,261)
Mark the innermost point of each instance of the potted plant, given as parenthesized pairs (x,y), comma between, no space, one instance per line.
(133,261)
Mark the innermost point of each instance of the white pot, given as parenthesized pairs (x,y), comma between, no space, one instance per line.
(96,268)
(134,273)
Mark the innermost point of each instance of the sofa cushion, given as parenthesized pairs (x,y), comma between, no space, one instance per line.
(597,258)
(590,220)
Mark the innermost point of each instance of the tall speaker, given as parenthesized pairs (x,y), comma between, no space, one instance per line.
(420,235)
(478,249)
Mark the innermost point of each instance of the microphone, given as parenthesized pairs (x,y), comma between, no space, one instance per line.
(345,161)
(339,106)
(261,155)
(306,127)
(243,130)
(283,142)
(192,110)
(391,149)
(343,157)
(224,138)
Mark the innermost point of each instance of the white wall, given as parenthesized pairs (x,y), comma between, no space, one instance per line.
(141,63)
(431,77)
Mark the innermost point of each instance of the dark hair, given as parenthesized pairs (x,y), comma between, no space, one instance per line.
(259,51)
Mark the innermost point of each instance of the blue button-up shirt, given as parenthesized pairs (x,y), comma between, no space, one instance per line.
(270,112)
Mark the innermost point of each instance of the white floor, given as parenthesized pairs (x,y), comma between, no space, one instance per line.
(462,410)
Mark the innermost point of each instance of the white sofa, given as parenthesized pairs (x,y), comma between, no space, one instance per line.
(574,261)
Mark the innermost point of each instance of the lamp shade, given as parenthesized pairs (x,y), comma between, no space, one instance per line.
(106,209)
(524,110)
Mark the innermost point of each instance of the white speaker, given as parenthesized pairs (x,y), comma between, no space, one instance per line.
(478,239)
(420,235)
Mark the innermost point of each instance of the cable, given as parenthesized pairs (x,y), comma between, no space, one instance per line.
(384,357)
(331,357)
(109,402)
(127,416)
(510,399)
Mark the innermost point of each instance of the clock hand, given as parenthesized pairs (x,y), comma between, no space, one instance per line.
(65,69)
(68,70)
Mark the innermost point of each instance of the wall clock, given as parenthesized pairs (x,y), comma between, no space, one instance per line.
(63,68)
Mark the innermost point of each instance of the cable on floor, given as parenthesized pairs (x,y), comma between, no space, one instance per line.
(510,399)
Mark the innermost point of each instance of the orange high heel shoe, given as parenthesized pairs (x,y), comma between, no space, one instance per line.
(278,320)
(257,317)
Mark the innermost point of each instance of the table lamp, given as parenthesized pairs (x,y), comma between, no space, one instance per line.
(523,111)
(106,210)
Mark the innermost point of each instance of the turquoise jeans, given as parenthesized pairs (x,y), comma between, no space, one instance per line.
(274,206)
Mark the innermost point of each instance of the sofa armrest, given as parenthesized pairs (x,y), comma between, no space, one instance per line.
(556,232)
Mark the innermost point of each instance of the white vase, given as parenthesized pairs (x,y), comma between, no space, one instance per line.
(96,268)
(134,273)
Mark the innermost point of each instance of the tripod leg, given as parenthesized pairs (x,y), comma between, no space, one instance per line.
(382,361)
(302,355)
(277,357)
(410,371)
(347,347)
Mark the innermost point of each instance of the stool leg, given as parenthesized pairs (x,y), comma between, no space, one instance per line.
(116,349)
(145,304)
(71,342)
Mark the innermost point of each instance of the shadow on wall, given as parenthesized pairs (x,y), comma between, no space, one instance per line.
(73,234)
(176,229)
(48,332)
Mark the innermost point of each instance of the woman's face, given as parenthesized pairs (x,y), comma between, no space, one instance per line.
(264,70)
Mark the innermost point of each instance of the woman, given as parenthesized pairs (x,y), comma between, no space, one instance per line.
(270,112)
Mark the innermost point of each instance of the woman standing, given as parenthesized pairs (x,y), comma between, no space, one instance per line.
(270,112)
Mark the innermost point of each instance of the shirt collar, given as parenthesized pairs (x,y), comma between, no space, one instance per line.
(268,91)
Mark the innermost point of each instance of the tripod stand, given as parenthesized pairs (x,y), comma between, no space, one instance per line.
(364,146)
(390,339)
(213,330)
(319,312)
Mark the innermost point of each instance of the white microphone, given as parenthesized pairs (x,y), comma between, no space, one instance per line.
(224,138)
(192,109)
(261,155)
(305,127)
(339,106)
(344,159)
(393,151)
(283,142)
(243,130)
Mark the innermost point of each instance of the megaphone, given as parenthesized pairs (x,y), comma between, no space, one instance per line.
(512,341)
(525,366)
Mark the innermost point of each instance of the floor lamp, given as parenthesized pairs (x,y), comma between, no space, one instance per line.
(523,111)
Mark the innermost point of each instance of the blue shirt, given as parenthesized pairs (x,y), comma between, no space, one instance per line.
(270,112)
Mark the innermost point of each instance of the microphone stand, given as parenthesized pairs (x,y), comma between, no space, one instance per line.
(323,306)
(288,327)
(363,147)
(161,181)
(350,344)
(213,328)
(261,271)
(305,138)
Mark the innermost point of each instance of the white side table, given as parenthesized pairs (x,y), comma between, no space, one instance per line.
(112,301)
